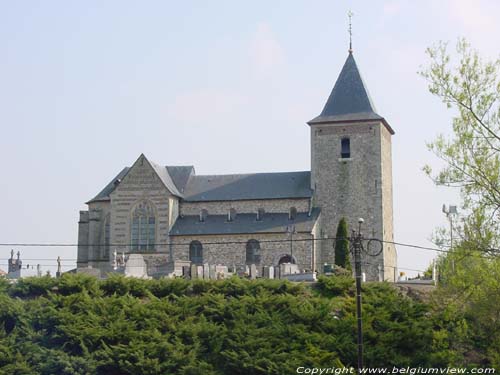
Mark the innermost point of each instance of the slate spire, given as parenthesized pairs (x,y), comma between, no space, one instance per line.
(349,99)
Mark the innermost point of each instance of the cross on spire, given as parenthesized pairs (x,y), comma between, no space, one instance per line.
(350,14)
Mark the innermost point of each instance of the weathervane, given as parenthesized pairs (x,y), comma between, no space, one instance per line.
(350,14)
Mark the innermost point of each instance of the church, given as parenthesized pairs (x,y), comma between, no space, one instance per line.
(169,213)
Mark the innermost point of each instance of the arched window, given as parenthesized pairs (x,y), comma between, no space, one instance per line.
(345,151)
(196,252)
(107,237)
(253,252)
(293,213)
(143,227)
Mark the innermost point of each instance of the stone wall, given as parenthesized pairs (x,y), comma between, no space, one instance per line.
(390,255)
(245,206)
(217,250)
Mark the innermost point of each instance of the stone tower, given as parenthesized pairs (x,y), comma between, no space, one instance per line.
(351,170)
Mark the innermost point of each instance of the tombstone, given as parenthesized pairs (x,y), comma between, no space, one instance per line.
(199,270)
(288,269)
(194,271)
(206,272)
(265,272)
(271,272)
(221,272)
(241,271)
(212,272)
(277,272)
(253,272)
(186,272)
(136,266)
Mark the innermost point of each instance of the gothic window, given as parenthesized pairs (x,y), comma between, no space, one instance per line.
(143,227)
(293,213)
(253,252)
(107,237)
(345,151)
(196,252)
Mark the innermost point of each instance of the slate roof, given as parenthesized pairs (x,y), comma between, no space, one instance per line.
(180,175)
(349,99)
(181,181)
(165,177)
(248,186)
(244,224)
(109,188)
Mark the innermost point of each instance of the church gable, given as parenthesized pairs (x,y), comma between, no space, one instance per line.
(146,176)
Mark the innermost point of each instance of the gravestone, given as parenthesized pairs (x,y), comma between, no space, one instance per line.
(194,271)
(211,271)
(206,272)
(253,272)
(200,272)
(135,266)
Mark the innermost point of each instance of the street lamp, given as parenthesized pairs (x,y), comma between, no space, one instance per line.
(450,211)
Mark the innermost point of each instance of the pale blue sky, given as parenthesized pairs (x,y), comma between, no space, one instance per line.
(226,86)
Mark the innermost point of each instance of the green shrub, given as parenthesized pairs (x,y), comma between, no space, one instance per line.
(331,286)
(33,286)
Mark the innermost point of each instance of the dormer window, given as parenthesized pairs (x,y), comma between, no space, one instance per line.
(293,213)
(345,148)
(203,215)
(231,214)
(260,214)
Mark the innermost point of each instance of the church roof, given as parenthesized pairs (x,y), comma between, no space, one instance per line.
(244,224)
(349,100)
(182,182)
(165,177)
(180,175)
(110,187)
(248,186)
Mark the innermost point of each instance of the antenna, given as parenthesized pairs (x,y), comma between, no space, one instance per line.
(350,14)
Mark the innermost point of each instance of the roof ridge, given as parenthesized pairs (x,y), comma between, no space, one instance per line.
(247,174)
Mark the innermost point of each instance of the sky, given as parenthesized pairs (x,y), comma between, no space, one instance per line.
(86,87)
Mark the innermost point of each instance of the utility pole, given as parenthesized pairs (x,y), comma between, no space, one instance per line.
(357,247)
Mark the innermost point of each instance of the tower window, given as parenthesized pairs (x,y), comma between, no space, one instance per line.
(293,213)
(345,151)
(107,237)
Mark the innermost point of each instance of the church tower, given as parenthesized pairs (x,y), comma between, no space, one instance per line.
(351,170)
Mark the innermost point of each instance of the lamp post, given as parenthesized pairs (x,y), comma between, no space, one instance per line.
(357,244)
(450,211)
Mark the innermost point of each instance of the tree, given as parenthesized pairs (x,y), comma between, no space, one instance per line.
(342,246)
(471,155)
(470,271)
